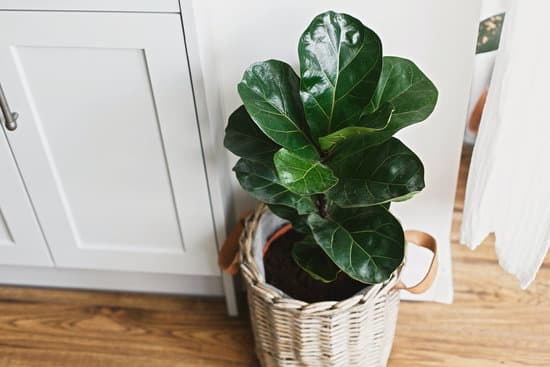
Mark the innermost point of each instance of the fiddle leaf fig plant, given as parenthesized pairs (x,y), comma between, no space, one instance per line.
(319,150)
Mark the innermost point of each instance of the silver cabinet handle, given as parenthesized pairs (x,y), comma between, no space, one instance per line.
(10,118)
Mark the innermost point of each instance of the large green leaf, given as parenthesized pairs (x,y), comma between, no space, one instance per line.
(303,176)
(270,93)
(245,139)
(299,222)
(367,124)
(413,97)
(260,180)
(340,63)
(309,256)
(368,244)
(410,92)
(386,172)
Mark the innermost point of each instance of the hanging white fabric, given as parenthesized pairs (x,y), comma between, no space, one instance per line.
(508,190)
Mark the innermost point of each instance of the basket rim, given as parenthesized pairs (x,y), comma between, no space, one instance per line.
(277,298)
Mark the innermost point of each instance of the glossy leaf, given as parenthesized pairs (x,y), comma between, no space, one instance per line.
(368,244)
(311,258)
(367,124)
(245,139)
(413,97)
(270,93)
(340,63)
(410,92)
(303,176)
(386,172)
(299,222)
(260,180)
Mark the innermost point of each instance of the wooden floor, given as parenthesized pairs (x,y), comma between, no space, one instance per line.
(491,323)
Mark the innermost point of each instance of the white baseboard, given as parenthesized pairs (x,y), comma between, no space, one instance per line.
(111,280)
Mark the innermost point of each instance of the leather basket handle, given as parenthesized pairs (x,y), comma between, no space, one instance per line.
(422,239)
(228,257)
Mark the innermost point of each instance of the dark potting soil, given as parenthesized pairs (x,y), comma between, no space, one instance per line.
(282,272)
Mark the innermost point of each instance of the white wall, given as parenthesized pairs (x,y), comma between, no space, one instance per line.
(439,35)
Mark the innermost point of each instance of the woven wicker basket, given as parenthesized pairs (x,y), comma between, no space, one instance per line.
(355,332)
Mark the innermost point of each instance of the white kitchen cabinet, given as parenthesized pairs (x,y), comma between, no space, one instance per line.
(21,241)
(108,142)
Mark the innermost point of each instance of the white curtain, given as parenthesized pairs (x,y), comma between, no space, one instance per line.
(508,190)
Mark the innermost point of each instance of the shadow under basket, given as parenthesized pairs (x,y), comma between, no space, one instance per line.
(357,331)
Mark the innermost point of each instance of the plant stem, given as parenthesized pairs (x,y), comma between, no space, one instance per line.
(322,205)
(326,156)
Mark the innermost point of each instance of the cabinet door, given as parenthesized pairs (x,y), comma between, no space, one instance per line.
(21,242)
(108,142)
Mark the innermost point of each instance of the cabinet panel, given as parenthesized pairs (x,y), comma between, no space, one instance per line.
(116,139)
(108,141)
(21,242)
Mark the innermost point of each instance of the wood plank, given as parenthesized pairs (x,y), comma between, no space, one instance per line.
(70,328)
(492,323)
